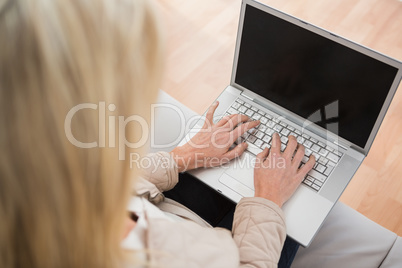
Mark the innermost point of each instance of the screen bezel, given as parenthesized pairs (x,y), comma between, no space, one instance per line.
(298,119)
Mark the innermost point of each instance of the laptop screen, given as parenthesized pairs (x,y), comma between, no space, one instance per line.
(336,87)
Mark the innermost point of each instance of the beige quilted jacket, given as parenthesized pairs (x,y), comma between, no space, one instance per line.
(256,240)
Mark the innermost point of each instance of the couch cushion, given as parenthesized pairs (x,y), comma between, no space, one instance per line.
(172,120)
(347,239)
(394,257)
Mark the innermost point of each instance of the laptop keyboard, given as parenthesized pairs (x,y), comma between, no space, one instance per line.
(260,137)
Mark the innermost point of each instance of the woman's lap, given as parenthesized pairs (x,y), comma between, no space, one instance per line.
(216,209)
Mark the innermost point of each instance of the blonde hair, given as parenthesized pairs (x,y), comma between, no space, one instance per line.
(60,205)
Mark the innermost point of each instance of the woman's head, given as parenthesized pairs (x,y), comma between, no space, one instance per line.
(60,205)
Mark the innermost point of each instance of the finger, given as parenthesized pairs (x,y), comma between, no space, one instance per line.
(224,120)
(262,156)
(243,128)
(290,147)
(306,168)
(236,151)
(276,144)
(297,158)
(209,117)
(235,120)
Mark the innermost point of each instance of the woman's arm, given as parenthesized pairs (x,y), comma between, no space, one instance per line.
(209,147)
(259,224)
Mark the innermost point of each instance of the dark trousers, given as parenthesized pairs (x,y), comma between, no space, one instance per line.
(217,210)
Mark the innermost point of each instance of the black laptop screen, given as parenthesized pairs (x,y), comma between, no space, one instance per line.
(336,87)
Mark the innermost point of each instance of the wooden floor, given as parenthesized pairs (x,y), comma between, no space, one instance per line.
(200,39)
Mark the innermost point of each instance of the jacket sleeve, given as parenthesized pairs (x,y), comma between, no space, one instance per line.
(159,173)
(259,232)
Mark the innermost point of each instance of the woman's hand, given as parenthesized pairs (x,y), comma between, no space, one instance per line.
(210,146)
(276,174)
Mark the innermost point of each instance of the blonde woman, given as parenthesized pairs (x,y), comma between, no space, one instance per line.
(62,205)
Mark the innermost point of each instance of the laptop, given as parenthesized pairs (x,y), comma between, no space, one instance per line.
(297,79)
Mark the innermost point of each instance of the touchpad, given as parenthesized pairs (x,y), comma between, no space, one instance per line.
(242,170)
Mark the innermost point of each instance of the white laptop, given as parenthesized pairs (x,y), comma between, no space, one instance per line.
(297,79)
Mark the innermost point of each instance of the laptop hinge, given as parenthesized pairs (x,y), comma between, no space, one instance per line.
(358,150)
(340,145)
(248,97)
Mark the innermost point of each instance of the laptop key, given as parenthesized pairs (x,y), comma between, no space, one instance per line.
(283,147)
(259,134)
(258,143)
(253,149)
(283,124)
(249,112)
(242,109)
(323,161)
(309,178)
(265,145)
(251,139)
(305,159)
(320,168)
(315,148)
(307,144)
(263,120)
(285,132)
(323,152)
(321,144)
(236,105)
(316,175)
(333,157)
(232,111)
(315,187)
(317,156)
(266,138)
(256,116)
(318,183)
(269,131)
(278,128)
(262,128)
(328,170)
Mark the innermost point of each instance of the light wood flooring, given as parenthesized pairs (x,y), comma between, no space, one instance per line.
(200,40)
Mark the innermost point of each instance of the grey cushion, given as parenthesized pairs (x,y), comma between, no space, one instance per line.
(171,122)
(348,239)
(394,257)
